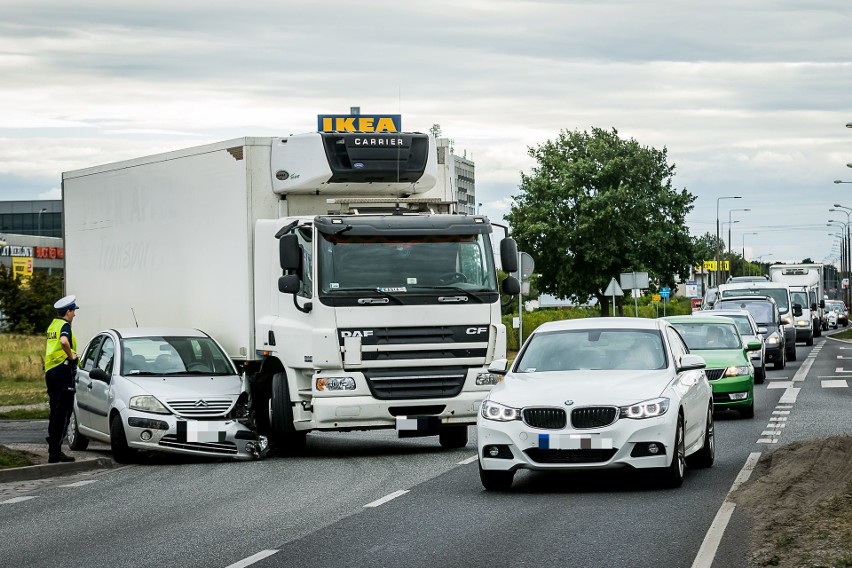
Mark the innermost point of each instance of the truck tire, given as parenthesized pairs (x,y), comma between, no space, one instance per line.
(285,438)
(453,437)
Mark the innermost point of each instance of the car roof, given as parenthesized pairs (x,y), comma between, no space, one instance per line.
(693,319)
(732,299)
(727,313)
(602,323)
(136,332)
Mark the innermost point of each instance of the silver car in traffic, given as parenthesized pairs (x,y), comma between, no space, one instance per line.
(161,389)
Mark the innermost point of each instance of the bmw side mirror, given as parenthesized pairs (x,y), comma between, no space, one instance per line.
(499,366)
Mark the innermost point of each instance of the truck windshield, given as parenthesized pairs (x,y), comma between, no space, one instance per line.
(406,269)
(800,298)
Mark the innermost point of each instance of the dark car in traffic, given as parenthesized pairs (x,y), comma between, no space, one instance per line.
(765,312)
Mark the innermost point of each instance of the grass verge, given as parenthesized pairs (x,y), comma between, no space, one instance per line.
(21,370)
(13,458)
(26,414)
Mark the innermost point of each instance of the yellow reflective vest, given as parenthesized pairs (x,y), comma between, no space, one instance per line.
(55,355)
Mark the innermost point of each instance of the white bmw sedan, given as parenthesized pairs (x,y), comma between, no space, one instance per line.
(598,393)
(161,389)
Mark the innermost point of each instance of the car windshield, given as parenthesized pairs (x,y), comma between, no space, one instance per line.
(605,349)
(743,325)
(760,311)
(702,335)
(173,356)
(780,295)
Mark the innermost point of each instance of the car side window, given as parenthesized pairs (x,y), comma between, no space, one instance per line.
(679,348)
(89,356)
(106,355)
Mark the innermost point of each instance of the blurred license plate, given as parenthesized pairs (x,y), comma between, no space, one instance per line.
(194,431)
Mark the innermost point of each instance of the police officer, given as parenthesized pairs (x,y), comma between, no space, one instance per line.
(60,369)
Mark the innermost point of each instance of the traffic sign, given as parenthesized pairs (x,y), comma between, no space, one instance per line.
(665,292)
(613,289)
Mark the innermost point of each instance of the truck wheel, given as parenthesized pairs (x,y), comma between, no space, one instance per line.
(792,355)
(452,437)
(286,439)
(810,341)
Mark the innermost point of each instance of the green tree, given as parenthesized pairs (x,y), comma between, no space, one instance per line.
(28,306)
(597,205)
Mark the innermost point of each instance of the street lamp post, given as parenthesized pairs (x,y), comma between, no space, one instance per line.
(730,223)
(760,260)
(841,181)
(716,245)
(744,258)
(844,251)
(43,210)
(843,209)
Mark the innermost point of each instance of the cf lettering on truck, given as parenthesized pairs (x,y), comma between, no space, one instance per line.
(348,301)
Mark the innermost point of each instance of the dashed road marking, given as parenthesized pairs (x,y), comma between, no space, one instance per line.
(779,384)
(252,559)
(790,395)
(834,384)
(780,412)
(387,498)
(467,461)
(17,500)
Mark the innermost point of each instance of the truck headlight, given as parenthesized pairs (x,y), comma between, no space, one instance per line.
(336,384)
(803,323)
(147,403)
(488,379)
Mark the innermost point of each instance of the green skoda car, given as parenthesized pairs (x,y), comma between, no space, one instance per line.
(729,367)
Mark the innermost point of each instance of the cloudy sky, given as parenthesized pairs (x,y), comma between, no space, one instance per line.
(749,98)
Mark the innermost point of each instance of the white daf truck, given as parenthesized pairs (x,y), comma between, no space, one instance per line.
(348,301)
(806,288)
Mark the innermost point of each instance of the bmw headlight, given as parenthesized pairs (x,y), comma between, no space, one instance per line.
(774,338)
(494,411)
(147,403)
(645,409)
(738,371)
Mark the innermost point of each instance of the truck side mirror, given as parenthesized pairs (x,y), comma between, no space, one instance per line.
(289,283)
(511,286)
(289,253)
(797,310)
(509,255)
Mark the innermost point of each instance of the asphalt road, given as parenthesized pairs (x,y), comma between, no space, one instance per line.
(369,499)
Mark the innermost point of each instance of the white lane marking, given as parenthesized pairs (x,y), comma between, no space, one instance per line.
(17,500)
(803,370)
(252,559)
(467,461)
(79,483)
(779,385)
(777,419)
(838,383)
(828,377)
(770,379)
(781,412)
(767,440)
(841,371)
(771,433)
(387,498)
(789,396)
(707,552)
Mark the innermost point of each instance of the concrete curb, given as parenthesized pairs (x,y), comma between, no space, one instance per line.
(46,470)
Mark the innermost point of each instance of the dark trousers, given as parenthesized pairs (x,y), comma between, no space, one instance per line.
(60,390)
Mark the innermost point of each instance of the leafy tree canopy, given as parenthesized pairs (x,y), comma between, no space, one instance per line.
(597,205)
(28,307)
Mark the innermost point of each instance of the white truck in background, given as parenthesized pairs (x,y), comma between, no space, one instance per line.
(349,302)
(806,283)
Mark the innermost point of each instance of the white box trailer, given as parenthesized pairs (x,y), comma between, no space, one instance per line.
(806,283)
(349,302)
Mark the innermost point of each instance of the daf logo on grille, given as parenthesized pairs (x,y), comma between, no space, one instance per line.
(201,404)
(569,402)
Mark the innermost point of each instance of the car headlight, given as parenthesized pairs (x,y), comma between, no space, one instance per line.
(774,338)
(738,371)
(802,323)
(645,409)
(147,403)
(501,413)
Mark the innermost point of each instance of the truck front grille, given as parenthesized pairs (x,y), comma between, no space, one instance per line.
(402,384)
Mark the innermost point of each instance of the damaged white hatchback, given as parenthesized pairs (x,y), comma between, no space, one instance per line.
(161,389)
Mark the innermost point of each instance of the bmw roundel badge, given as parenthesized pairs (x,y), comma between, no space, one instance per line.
(569,402)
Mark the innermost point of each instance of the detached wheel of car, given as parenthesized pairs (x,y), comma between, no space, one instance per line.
(288,441)
(452,437)
(121,452)
(672,476)
(705,457)
(748,411)
(76,441)
(496,480)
